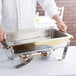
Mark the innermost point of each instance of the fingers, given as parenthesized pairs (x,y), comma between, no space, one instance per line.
(63,27)
(2,35)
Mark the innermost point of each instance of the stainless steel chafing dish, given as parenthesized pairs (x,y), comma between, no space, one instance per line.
(40,37)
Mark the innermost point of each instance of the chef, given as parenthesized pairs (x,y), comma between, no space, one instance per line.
(20,14)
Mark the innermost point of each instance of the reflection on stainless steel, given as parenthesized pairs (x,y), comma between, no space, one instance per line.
(49,37)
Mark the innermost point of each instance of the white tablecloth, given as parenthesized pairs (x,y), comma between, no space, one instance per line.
(39,67)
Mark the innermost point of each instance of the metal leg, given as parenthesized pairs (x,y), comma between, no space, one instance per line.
(21,60)
(9,53)
(64,52)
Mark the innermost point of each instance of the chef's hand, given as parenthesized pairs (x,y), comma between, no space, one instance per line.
(62,26)
(60,23)
(2,35)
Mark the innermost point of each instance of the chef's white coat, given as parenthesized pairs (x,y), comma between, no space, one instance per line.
(20,14)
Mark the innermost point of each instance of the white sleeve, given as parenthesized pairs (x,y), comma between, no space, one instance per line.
(0,10)
(49,6)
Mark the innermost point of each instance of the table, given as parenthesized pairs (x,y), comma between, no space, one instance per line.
(42,67)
